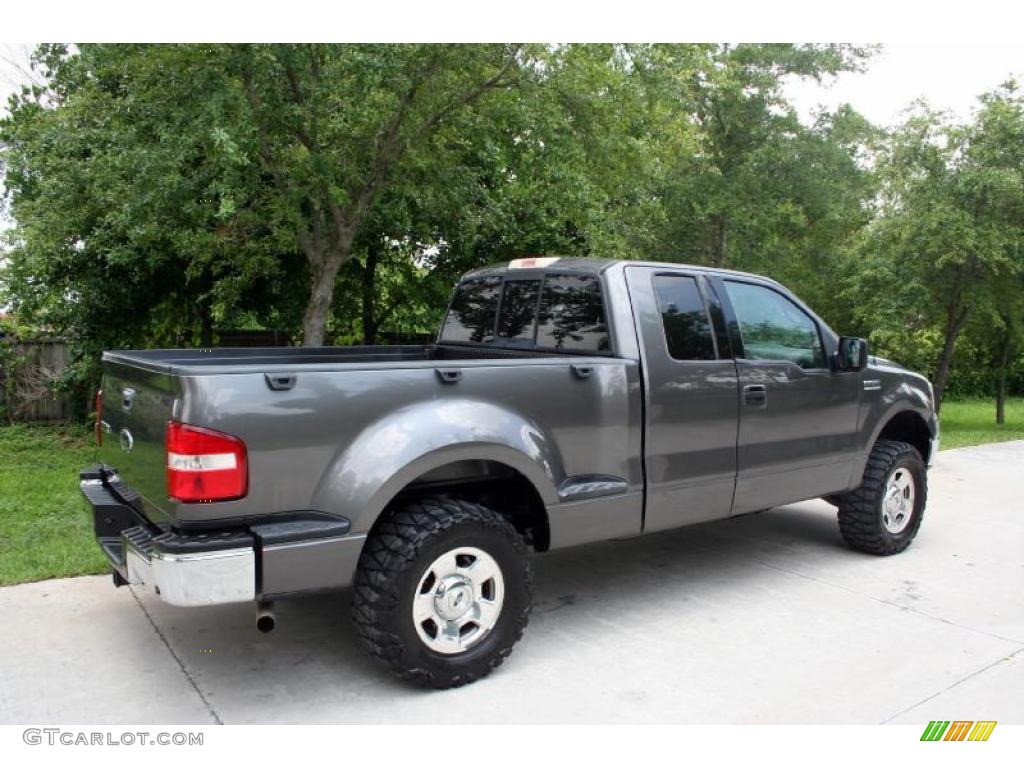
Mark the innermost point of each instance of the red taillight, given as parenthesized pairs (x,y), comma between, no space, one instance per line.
(204,465)
(99,416)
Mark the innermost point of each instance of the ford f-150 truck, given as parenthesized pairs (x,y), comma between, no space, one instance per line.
(565,401)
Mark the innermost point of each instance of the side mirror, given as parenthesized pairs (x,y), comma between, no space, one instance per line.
(852,354)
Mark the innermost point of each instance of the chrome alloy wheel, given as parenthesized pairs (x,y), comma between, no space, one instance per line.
(458,600)
(898,500)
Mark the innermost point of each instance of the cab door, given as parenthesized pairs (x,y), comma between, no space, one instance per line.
(798,417)
(691,398)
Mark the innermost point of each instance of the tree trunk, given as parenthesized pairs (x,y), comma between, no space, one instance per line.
(719,235)
(205,324)
(321,294)
(1004,361)
(955,319)
(370,293)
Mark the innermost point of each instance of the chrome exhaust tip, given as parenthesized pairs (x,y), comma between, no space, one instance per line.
(265,619)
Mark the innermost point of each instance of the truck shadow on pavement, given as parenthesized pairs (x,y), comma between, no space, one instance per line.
(315,657)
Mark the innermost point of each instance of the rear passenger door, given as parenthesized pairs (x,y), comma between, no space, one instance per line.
(691,397)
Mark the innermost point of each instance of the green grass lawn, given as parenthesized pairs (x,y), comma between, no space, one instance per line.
(44,530)
(972,422)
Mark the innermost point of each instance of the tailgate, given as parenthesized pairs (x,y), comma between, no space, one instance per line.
(137,404)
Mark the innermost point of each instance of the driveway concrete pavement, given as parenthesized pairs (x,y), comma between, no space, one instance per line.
(766,618)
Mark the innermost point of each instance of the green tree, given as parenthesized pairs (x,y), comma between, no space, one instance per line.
(997,144)
(560,164)
(168,187)
(132,224)
(333,126)
(115,179)
(949,228)
(762,191)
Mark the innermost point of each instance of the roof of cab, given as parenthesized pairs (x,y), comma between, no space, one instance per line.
(592,266)
(544,263)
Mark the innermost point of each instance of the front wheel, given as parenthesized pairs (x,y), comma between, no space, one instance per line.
(442,591)
(882,516)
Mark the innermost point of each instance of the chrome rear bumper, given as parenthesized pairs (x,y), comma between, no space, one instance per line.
(296,551)
(183,569)
(195,578)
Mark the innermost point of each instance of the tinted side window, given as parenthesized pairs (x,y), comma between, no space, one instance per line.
(473,310)
(519,312)
(773,327)
(684,318)
(572,314)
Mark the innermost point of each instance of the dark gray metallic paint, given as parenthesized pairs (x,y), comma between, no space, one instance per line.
(309,565)
(353,428)
(900,391)
(690,421)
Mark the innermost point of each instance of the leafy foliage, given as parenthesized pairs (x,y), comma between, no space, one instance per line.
(336,192)
(947,245)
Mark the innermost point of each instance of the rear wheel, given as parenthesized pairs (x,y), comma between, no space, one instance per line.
(442,591)
(883,515)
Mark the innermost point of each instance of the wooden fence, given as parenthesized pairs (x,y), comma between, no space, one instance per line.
(35,366)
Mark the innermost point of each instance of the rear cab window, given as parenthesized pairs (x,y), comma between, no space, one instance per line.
(684,318)
(517,320)
(473,310)
(572,315)
(553,313)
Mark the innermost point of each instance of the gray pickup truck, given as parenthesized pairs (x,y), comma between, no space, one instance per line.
(565,401)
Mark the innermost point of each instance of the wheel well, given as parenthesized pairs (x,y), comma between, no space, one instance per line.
(909,427)
(492,484)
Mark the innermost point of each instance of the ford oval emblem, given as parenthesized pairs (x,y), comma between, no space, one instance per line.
(127,442)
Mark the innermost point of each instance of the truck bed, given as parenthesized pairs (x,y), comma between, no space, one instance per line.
(335,429)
